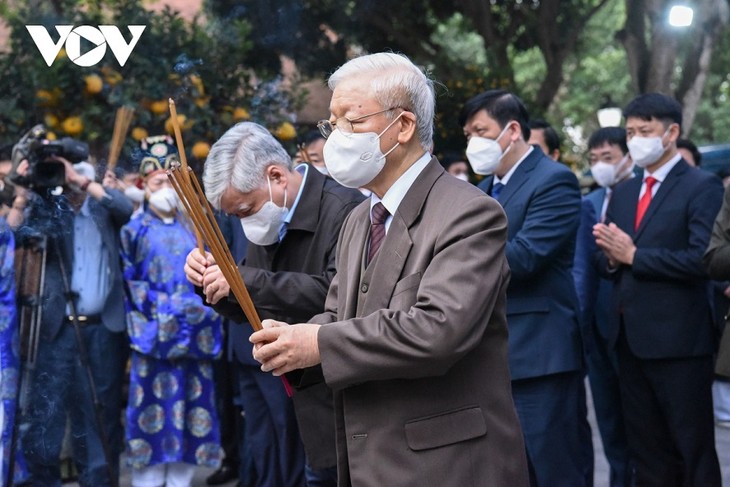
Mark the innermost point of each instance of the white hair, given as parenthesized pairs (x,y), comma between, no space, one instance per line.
(239,159)
(395,82)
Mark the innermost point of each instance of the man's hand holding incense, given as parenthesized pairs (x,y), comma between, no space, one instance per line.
(215,286)
(195,265)
(281,347)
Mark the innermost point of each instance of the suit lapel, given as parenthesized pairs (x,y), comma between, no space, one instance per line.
(519,177)
(394,251)
(665,188)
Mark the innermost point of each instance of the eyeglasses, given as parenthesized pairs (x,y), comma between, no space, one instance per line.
(344,124)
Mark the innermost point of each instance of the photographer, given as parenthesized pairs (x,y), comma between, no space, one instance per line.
(79,234)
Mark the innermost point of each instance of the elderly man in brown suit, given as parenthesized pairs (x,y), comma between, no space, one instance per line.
(413,340)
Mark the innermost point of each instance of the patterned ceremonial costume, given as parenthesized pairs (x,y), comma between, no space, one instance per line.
(171,414)
(9,360)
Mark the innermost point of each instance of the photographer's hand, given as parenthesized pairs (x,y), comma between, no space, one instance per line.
(83,183)
(16,216)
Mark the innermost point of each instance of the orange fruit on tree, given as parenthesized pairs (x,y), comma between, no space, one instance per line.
(200,150)
(50,120)
(285,131)
(159,107)
(72,126)
(45,98)
(51,136)
(139,133)
(241,113)
(182,121)
(94,84)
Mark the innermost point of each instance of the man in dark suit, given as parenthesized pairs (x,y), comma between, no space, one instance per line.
(82,227)
(610,165)
(657,229)
(414,340)
(291,217)
(543,205)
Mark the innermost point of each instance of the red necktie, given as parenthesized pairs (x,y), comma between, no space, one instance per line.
(377,229)
(644,201)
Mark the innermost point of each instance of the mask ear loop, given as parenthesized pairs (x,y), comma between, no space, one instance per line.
(271,194)
(385,129)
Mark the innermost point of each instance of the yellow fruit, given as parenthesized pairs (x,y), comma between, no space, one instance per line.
(198,84)
(72,126)
(138,133)
(50,120)
(182,121)
(51,136)
(202,102)
(240,113)
(285,131)
(94,84)
(110,76)
(159,107)
(200,150)
(44,98)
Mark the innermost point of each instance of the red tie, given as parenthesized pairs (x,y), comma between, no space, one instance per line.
(644,201)
(377,229)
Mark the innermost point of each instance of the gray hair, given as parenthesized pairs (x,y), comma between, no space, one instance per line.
(239,159)
(396,82)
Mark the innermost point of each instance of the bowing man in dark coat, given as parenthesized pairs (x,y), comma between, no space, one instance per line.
(291,217)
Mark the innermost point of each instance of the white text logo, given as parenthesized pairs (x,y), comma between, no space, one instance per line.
(71,37)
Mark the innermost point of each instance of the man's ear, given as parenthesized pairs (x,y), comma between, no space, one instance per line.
(276,173)
(408,127)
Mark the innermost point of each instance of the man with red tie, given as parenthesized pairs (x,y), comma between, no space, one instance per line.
(657,228)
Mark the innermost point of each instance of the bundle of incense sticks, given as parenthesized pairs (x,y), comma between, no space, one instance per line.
(206,227)
(121,125)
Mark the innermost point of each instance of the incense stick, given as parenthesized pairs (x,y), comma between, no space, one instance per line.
(122,121)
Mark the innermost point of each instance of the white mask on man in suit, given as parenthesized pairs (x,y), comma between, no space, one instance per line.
(645,151)
(262,228)
(355,159)
(485,154)
(606,174)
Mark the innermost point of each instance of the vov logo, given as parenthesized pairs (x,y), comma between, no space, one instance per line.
(105,35)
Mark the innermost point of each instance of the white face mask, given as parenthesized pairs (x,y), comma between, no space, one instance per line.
(262,228)
(606,174)
(485,154)
(353,160)
(134,193)
(645,151)
(462,176)
(164,200)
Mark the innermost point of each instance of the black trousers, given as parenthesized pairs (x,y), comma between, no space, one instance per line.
(670,428)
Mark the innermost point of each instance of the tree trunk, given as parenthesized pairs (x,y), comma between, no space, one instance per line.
(715,18)
(634,41)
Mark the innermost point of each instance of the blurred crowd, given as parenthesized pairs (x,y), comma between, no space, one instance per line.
(120,337)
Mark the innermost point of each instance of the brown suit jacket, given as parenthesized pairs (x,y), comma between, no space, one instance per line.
(417,357)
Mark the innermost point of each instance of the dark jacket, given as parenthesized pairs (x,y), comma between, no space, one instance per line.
(543,206)
(54,218)
(663,298)
(288,282)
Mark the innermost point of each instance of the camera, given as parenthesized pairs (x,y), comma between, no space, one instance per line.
(43,170)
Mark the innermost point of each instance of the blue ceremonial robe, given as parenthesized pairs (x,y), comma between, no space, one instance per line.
(171,415)
(9,346)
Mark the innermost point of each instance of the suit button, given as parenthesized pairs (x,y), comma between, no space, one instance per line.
(364,287)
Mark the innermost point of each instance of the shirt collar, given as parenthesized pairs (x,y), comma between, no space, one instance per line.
(303,169)
(661,174)
(393,197)
(504,180)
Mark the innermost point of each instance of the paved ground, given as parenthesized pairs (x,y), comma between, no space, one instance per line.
(601,469)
